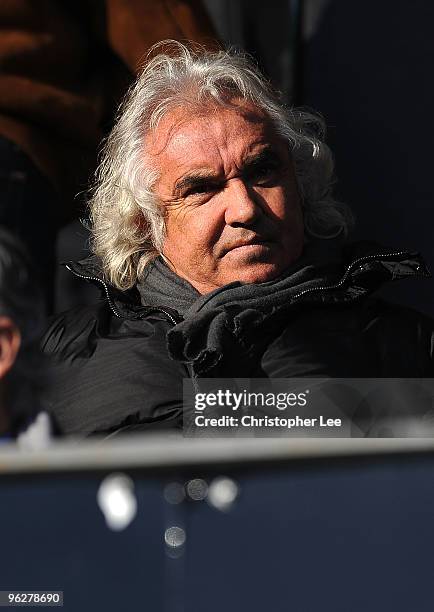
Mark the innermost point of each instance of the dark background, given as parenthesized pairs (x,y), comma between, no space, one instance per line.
(367,68)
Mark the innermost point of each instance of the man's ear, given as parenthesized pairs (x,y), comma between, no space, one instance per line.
(10,340)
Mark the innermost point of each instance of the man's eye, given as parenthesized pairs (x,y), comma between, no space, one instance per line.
(262,174)
(201,189)
(195,191)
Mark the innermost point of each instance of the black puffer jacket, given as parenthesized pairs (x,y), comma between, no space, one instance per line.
(120,364)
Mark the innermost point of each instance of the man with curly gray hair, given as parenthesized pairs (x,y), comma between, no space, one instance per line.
(221,252)
(131,206)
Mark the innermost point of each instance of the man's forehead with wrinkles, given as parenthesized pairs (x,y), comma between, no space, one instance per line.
(195,153)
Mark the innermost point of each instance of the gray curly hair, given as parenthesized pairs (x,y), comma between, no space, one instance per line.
(128,222)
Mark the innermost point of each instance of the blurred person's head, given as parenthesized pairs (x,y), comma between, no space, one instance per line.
(207,167)
(21,318)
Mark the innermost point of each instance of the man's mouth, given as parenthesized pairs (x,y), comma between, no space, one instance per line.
(248,244)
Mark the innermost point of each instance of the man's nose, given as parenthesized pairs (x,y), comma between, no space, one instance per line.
(242,206)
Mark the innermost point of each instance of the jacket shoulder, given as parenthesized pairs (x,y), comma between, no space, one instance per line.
(108,372)
(66,327)
(407,332)
(371,338)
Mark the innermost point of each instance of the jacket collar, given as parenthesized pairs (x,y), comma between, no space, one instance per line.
(326,272)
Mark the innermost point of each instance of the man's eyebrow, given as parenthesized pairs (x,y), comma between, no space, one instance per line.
(200,178)
(267,154)
(194,179)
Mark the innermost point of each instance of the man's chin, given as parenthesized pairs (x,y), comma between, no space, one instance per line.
(254,274)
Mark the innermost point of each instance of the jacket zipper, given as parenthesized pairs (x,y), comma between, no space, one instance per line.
(347,271)
(298,295)
(171,317)
(107,292)
(99,280)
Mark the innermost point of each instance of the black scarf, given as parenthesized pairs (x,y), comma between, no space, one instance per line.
(237,321)
(159,286)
